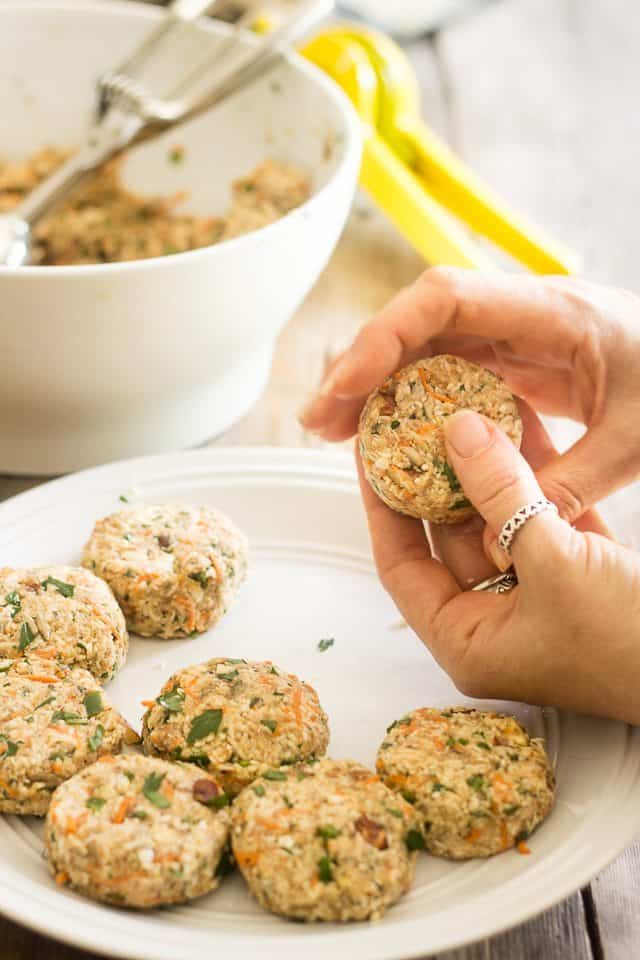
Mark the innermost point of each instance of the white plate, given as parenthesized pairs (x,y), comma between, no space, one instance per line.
(310,577)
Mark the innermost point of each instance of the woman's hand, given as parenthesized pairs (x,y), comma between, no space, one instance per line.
(568,635)
(567,347)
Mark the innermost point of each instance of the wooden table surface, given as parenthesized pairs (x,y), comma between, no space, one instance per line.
(541,96)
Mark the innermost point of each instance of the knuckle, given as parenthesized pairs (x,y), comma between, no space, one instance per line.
(568,499)
(499,485)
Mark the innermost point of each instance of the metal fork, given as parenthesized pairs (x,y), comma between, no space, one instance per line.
(128,113)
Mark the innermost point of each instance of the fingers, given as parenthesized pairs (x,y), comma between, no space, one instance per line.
(498,481)
(419,585)
(546,324)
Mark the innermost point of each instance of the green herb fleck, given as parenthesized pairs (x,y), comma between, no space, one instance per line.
(27,636)
(95,803)
(140,814)
(325,870)
(414,840)
(13,600)
(408,796)
(204,725)
(66,589)
(73,719)
(44,703)
(200,577)
(11,745)
(325,643)
(476,782)
(254,702)
(151,790)
(511,809)
(395,812)
(228,676)
(327,832)
(93,703)
(270,725)
(176,155)
(96,738)
(394,424)
(123,498)
(454,483)
(275,775)
(522,836)
(483,745)
(274,671)
(259,790)
(172,700)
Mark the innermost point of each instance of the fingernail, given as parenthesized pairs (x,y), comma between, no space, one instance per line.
(467,433)
(498,557)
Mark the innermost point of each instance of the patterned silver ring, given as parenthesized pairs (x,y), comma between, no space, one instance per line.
(518,520)
(499,583)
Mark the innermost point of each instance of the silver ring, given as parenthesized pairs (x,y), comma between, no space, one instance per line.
(499,583)
(518,520)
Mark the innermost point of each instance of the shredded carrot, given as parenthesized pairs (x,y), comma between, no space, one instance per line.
(474,835)
(425,427)
(523,848)
(505,836)
(73,823)
(438,744)
(147,703)
(430,390)
(248,859)
(296,703)
(125,807)
(39,679)
(62,878)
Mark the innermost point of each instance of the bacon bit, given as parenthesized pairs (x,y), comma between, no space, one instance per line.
(125,807)
(373,833)
(62,878)
(248,859)
(523,848)
(505,836)
(147,703)
(430,390)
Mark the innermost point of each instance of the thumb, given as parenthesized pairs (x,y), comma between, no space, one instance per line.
(499,481)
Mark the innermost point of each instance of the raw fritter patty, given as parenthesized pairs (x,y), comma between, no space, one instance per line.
(237,719)
(402,441)
(478,781)
(138,832)
(66,614)
(174,568)
(54,721)
(326,841)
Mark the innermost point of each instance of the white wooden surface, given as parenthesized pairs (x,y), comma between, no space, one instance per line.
(541,96)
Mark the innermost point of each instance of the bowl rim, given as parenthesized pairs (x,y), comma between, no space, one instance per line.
(351,148)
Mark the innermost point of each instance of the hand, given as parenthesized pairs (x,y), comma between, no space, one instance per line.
(567,347)
(568,635)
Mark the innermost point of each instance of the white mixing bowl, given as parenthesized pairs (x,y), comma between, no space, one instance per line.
(108,361)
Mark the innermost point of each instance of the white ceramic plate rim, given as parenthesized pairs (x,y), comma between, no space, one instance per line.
(132,936)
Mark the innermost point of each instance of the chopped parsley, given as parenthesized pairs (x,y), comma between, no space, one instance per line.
(395,812)
(95,803)
(409,796)
(254,702)
(11,745)
(394,424)
(44,703)
(325,643)
(13,600)
(66,589)
(476,782)
(483,745)
(327,832)
(172,700)
(461,504)
(275,775)
(325,870)
(231,675)
(259,790)
(96,738)
(140,814)
(200,577)
(73,719)
(414,840)
(204,725)
(93,703)
(448,472)
(270,725)
(511,809)
(27,636)
(151,790)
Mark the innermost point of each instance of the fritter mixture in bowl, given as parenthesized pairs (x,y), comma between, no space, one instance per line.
(402,441)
